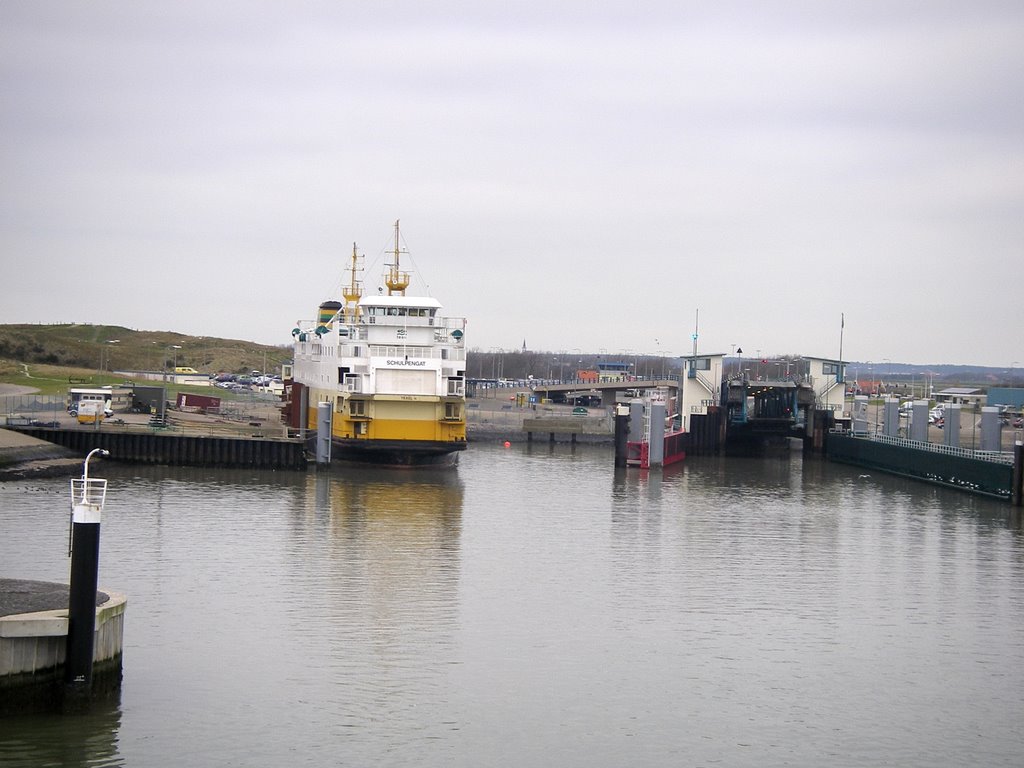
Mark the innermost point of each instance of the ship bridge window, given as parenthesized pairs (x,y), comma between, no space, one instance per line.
(357,407)
(372,312)
(342,370)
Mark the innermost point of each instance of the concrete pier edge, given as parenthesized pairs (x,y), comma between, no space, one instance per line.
(32,653)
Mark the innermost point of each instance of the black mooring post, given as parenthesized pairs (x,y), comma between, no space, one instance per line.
(86,507)
(85,563)
(621,436)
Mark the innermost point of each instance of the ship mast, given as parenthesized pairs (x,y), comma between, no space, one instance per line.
(396,280)
(353,291)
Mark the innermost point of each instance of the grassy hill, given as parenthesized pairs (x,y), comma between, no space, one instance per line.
(94,352)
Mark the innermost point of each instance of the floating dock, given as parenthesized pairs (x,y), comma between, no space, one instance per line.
(987,473)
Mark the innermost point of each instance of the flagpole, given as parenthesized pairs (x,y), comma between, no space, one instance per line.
(842,325)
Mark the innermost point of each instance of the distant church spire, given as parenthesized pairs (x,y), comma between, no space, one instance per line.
(524,345)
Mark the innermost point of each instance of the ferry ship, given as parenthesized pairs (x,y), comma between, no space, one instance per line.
(392,368)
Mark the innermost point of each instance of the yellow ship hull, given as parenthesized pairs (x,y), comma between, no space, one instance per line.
(397,431)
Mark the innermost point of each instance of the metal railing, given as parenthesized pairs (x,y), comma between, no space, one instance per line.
(998,457)
(88,490)
(11,404)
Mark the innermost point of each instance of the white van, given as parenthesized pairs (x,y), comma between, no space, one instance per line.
(81,396)
(90,411)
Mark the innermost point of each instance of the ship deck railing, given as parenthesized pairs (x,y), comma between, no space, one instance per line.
(408,351)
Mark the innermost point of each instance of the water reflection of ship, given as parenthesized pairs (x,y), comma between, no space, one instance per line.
(431,499)
(393,546)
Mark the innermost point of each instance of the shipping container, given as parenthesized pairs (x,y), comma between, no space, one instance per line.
(198,403)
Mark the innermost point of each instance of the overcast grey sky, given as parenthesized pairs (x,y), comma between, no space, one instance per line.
(579,175)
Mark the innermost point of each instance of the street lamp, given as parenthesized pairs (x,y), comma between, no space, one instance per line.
(105,352)
(175,347)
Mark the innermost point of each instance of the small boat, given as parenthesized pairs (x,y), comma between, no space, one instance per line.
(392,368)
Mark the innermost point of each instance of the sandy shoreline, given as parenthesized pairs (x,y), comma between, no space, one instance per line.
(22,456)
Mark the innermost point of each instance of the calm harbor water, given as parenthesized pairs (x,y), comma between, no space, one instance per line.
(537,607)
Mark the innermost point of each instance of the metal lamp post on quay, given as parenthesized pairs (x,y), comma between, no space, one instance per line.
(111,341)
(175,347)
(105,355)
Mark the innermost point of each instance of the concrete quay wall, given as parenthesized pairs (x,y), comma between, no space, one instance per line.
(490,421)
(32,653)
